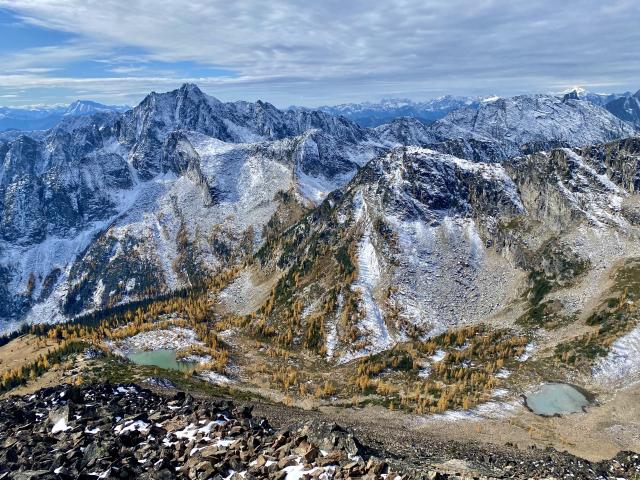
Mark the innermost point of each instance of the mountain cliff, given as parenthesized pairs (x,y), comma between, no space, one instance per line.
(421,241)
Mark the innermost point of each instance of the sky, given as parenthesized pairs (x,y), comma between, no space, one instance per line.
(294,52)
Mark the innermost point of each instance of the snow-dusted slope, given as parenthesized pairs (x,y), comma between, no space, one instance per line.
(405,131)
(533,122)
(626,108)
(431,202)
(139,202)
(421,241)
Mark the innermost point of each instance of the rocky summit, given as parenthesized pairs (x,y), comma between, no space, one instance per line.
(125,431)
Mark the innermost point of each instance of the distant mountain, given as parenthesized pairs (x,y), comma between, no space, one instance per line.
(530,123)
(373,114)
(600,99)
(505,127)
(42,118)
(626,108)
(370,114)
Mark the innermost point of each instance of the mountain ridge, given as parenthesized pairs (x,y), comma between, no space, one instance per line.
(155,178)
(42,118)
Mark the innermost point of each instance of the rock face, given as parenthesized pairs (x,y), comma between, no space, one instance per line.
(406,131)
(626,108)
(104,208)
(144,129)
(420,241)
(123,431)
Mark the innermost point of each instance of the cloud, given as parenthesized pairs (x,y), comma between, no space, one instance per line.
(126,70)
(314,52)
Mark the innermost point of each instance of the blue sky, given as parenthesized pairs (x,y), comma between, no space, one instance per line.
(312,53)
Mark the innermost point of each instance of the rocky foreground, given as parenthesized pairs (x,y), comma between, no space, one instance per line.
(124,431)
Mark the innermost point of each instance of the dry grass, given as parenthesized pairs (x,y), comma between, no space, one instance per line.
(24,350)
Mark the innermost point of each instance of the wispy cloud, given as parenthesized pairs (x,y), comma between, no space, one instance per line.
(316,52)
(126,70)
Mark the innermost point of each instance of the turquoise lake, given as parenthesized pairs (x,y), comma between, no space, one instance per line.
(556,399)
(160,358)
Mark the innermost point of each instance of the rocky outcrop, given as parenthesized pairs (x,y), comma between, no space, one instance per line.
(620,161)
(124,431)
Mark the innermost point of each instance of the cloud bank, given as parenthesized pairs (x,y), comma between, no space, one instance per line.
(290,51)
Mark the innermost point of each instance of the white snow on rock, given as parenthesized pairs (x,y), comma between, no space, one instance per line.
(215,378)
(316,189)
(438,356)
(191,431)
(514,122)
(298,472)
(622,363)
(132,426)
(174,338)
(60,426)
(373,325)
(495,409)
(528,351)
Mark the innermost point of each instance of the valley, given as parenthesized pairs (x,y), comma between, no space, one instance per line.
(415,283)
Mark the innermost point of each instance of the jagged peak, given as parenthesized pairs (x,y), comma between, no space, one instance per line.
(190,88)
(192,91)
(572,95)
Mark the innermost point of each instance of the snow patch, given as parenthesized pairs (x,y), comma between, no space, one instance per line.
(60,426)
(622,363)
(373,324)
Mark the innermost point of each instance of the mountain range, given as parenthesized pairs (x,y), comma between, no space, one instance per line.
(369,114)
(115,206)
(456,269)
(43,118)
(627,108)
